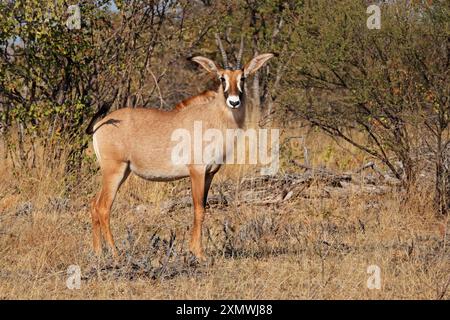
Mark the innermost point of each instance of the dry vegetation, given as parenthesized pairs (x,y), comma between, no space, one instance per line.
(379,96)
(318,244)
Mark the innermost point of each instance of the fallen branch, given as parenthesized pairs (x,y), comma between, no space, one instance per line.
(186,202)
(266,190)
(325,175)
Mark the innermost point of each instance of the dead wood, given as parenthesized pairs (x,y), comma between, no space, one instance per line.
(271,190)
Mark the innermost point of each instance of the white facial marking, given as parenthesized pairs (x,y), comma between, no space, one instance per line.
(239,82)
(233,102)
(227,83)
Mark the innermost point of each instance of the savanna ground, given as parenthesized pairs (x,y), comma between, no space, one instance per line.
(317,245)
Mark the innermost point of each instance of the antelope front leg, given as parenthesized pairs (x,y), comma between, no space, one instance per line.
(198,192)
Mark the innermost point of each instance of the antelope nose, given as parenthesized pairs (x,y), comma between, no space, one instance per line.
(234,103)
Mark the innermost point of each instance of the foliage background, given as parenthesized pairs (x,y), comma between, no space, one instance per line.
(349,95)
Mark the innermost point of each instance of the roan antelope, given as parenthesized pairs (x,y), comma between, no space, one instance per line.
(138,140)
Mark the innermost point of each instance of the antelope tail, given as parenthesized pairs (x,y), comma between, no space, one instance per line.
(101,112)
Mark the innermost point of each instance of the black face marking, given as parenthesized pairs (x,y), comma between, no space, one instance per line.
(224,86)
(242,83)
(223,81)
(242,86)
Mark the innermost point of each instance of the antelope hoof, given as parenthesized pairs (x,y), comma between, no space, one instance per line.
(194,259)
(97,251)
(198,253)
(199,256)
(115,254)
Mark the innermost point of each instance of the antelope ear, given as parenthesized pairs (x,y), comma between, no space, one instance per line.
(206,63)
(256,63)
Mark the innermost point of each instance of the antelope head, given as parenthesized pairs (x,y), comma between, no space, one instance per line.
(233,78)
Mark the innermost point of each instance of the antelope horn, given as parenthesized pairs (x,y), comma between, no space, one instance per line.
(222,51)
(239,57)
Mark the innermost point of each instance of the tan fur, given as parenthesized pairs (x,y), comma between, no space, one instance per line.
(203,97)
(139,141)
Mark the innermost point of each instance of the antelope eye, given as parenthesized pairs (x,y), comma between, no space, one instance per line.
(222,79)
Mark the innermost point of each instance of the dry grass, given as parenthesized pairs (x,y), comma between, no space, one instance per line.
(308,248)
